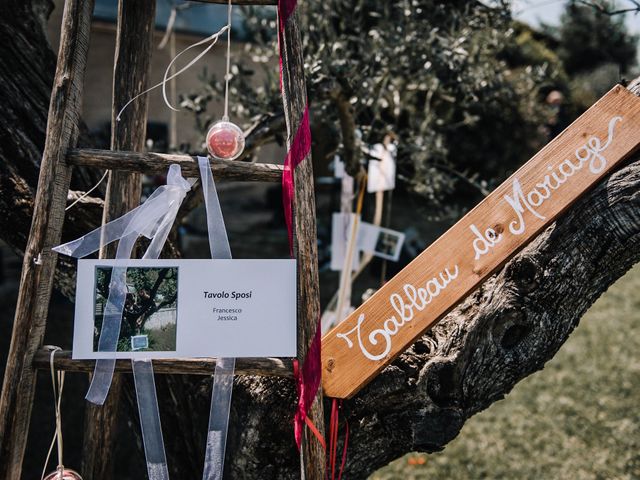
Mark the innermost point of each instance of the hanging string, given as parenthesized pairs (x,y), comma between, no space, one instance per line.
(85,194)
(170,76)
(211,40)
(57,381)
(168,32)
(227,75)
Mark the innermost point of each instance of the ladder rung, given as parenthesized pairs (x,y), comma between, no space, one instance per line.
(266,367)
(243,2)
(159,163)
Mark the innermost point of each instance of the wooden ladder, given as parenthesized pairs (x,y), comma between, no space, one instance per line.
(126,161)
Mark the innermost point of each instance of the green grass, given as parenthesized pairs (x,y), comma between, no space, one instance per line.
(577,419)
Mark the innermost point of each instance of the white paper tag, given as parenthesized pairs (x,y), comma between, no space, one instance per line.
(341,227)
(381,175)
(379,241)
(338,167)
(191,308)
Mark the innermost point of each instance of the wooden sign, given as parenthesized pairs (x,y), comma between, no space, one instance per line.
(483,240)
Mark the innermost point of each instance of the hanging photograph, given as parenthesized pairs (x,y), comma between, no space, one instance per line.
(389,244)
(149,316)
(381,242)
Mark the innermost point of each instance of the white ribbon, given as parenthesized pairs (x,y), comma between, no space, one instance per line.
(153,219)
(223,377)
(150,420)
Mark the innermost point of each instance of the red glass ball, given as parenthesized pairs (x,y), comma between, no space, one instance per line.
(67,474)
(225,140)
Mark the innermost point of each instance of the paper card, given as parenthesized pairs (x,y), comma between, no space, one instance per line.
(381,175)
(338,167)
(379,241)
(341,227)
(191,308)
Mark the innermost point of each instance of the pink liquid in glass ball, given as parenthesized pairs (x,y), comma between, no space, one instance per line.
(67,474)
(225,140)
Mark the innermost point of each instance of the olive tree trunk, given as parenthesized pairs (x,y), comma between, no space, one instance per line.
(506,330)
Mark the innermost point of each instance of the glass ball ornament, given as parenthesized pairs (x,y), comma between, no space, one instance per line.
(63,474)
(225,140)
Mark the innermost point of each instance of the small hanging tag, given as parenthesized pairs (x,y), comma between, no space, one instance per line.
(346,185)
(338,168)
(382,172)
(341,228)
(379,241)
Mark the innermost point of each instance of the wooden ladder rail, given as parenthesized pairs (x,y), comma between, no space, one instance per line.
(26,354)
(39,262)
(135,27)
(312,455)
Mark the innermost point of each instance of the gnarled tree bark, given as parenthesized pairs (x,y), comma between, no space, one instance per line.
(26,77)
(503,332)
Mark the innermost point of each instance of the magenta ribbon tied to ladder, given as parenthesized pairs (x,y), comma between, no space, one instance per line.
(299,147)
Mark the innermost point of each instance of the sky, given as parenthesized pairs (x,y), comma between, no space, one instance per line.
(549,11)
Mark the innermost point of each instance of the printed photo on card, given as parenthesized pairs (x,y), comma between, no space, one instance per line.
(149,316)
(389,244)
(379,241)
(189,308)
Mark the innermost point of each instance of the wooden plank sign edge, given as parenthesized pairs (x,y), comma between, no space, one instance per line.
(483,240)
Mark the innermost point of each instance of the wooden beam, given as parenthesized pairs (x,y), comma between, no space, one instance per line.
(243,2)
(159,163)
(48,216)
(304,231)
(266,367)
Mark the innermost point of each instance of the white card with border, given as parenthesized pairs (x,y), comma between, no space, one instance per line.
(191,308)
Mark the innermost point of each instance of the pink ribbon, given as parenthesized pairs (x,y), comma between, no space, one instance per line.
(308,377)
(285,10)
(307,384)
(300,148)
